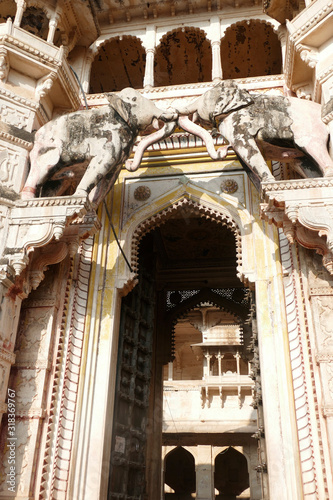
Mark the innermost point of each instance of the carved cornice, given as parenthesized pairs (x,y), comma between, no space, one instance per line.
(304,210)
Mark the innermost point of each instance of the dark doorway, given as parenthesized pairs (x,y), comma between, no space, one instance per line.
(231,475)
(180,474)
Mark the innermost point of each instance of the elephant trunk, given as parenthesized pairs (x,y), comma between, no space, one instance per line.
(159,135)
(195,129)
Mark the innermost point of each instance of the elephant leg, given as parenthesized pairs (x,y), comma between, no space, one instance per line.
(40,166)
(316,148)
(97,169)
(250,155)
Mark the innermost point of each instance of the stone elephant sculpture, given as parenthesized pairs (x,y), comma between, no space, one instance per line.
(261,127)
(96,141)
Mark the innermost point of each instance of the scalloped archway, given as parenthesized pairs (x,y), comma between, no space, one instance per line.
(183,56)
(119,63)
(250,49)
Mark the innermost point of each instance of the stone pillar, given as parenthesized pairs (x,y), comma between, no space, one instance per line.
(204,473)
(86,71)
(21,6)
(53,24)
(282,34)
(170,370)
(216,61)
(148,81)
(215,37)
(9,316)
(150,45)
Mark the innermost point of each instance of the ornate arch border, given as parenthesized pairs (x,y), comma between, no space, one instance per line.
(194,207)
(221,211)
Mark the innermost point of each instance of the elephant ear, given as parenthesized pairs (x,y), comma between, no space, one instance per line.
(231,99)
(119,106)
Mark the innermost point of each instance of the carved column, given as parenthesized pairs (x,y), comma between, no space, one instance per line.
(87,70)
(21,6)
(216,61)
(149,69)
(53,24)
(215,36)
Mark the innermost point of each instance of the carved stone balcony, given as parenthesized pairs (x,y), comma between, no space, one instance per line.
(40,60)
(304,210)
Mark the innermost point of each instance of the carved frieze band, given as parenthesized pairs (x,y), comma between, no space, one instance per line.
(70,373)
(297,370)
(7,356)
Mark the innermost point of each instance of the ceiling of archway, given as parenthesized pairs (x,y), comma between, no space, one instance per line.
(194,251)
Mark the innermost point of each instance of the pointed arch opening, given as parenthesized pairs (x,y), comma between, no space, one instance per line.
(231,476)
(179,474)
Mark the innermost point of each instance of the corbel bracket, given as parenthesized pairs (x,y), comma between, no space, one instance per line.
(303,208)
(37,222)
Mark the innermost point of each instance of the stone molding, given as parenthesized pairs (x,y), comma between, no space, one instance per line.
(304,210)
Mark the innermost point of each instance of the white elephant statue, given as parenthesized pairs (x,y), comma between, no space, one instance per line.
(261,127)
(96,142)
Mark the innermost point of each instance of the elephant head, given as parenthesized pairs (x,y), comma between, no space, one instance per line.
(222,99)
(137,111)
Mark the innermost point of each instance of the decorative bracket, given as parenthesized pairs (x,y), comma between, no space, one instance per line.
(35,223)
(304,210)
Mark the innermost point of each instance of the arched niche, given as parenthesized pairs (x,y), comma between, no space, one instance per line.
(180,472)
(231,476)
(7,9)
(119,63)
(249,49)
(35,21)
(183,56)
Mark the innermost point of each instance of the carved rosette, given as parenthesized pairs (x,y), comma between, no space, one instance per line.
(304,210)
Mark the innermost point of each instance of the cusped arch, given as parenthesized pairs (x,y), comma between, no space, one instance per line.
(119,62)
(180,471)
(183,56)
(231,475)
(190,207)
(250,48)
